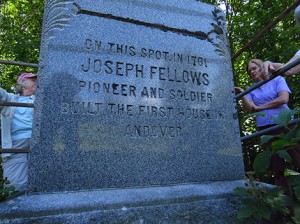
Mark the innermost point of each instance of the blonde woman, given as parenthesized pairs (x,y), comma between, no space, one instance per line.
(270,98)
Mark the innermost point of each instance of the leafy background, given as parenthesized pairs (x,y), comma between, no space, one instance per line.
(20,34)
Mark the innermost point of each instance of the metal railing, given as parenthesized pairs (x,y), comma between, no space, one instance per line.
(268,130)
(10,150)
(274,75)
(18,63)
(14,104)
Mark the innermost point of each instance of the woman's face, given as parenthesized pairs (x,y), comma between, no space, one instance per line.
(29,86)
(253,70)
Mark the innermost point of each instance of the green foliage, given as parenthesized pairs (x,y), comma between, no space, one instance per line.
(280,143)
(260,202)
(5,191)
(294,180)
(245,19)
(283,118)
(20,33)
(262,162)
(245,118)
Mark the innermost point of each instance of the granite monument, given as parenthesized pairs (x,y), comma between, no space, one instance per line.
(135,119)
(133,94)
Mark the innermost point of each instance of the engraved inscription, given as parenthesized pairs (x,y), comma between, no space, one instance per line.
(108,88)
(163,81)
(120,68)
(134,131)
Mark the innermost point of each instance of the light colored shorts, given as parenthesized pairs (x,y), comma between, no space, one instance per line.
(15,167)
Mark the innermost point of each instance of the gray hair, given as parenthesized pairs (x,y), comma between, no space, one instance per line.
(297,15)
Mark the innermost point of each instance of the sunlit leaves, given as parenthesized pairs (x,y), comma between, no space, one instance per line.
(20,33)
(245,118)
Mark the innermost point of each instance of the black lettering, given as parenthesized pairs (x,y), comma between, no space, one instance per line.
(209,97)
(118,68)
(151,71)
(108,69)
(115,88)
(87,67)
(129,67)
(143,52)
(88,44)
(206,80)
(132,90)
(172,94)
(97,65)
(132,51)
(196,77)
(92,45)
(139,71)
(161,73)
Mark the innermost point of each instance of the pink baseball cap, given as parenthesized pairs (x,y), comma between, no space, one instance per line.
(25,75)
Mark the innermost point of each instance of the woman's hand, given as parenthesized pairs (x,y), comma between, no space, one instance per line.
(248,105)
(269,67)
(238,90)
(254,108)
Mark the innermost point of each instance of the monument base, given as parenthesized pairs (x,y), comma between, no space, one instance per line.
(213,202)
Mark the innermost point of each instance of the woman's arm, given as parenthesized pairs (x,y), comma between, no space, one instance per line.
(295,69)
(247,104)
(269,66)
(6,96)
(283,97)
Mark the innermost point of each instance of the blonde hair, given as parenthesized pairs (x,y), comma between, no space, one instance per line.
(255,61)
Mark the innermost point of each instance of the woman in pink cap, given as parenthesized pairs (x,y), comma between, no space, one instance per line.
(16,123)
